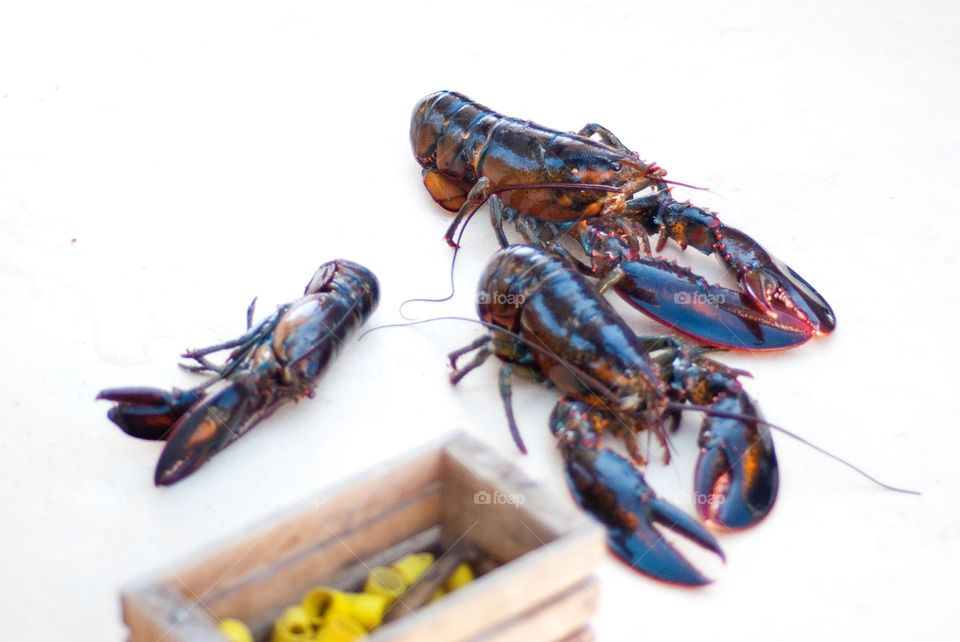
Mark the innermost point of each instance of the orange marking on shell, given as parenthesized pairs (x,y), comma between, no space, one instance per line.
(204,433)
(751,466)
(628,519)
(701,392)
(592,209)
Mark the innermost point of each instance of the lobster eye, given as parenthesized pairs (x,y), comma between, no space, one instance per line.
(615,167)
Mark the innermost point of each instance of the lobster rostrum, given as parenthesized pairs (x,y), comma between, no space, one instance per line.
(549,323)
(553,184)
(277,360)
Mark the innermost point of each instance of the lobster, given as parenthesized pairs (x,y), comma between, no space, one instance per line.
(548,322)
(552,185)
(277,360)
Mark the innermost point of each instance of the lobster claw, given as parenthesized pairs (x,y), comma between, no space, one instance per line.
(209,427)
(615,492)
(710,314)
(736,477)
(772,287)
(148,413)
(612,489)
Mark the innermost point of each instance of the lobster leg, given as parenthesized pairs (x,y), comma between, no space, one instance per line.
(533,230)
(615,492)
(606,136)
(248,337)
(203,365)
(477,196)
(506,395)
(770,285)
(497,219)
(482,345)
(546,235)
(242,345)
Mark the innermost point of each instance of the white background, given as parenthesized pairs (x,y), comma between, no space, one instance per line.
(161,165)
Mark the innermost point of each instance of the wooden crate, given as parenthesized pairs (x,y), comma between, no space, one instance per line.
(541,588)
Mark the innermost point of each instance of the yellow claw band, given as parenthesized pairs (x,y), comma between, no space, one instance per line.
(329,615)
(461,575)
(385,581)
(322,603)
(292,626)
(235,630)
(340,628)
(413,566)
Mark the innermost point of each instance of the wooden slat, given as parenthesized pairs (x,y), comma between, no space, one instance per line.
(505,592)
(159,615)
(583,635)
(550,621)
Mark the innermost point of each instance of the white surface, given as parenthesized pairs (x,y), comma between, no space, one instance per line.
(204,153)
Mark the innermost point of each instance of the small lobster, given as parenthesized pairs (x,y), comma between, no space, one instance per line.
(278,360)
(549,323)
(551,184)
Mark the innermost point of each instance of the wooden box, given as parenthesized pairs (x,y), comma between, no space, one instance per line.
(452,492)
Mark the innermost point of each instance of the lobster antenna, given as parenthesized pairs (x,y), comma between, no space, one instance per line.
(578,373)
(453,265)
(736,415)
(678,183)
(574,370)
(509,188)
(713,412)
(505,188)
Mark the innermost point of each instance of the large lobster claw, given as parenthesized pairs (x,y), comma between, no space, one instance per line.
(710,314)
(209,427)
(772,286)
(148,413)
(612,489)
(195,426)
(737,477)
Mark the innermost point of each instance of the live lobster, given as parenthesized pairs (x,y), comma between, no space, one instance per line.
(275,361)
(553,185)
(549,323)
